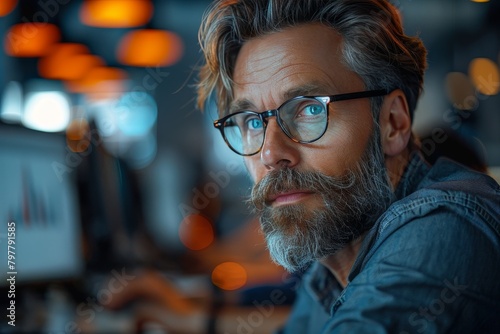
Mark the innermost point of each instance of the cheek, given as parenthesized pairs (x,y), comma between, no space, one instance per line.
(342,148)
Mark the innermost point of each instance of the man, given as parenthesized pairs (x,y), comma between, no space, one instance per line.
(318,96)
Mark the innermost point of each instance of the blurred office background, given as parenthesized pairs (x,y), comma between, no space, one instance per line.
(107,167)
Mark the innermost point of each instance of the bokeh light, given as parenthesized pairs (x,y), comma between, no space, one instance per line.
(460,91)
(150,47)
(31,39)
(47,111)
(196,232)
(485,76)
(229,276)
(7,6)
(68,61)
(116,13)
(137,113)
(101,81)
(78,135)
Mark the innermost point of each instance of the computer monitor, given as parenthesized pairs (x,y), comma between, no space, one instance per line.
(38,195)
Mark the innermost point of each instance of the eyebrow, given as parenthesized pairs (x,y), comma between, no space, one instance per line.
(304,90)
(240,105)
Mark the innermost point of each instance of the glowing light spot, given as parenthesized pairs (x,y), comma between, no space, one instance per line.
(229,276)
(100,81)
(7,6)
(150,47)
(105,118)
(12,103)
(68,61)
(77,135)
(31,39)
(485,76)
(47,111)
(116,13)
(460,91)
(137,113)
(196,232)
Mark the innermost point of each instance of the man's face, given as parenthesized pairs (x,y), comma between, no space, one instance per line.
(318,193)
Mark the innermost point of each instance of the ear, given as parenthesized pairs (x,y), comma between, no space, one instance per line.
(395,123)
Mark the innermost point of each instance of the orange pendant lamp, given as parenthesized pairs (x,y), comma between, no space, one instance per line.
(116,13)
(150,47)
(31,39)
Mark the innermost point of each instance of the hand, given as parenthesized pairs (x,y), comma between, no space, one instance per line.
(157,300)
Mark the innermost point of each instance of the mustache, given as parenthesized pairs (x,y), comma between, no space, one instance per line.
(288,179)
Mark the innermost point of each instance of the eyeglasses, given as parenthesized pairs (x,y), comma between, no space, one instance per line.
(304,119)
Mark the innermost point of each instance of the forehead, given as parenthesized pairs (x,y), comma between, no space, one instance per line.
(269,67)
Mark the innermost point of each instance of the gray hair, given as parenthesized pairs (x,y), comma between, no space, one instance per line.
(374,44)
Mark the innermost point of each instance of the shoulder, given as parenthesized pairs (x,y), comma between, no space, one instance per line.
(448,189)
(431,263)
(448,228)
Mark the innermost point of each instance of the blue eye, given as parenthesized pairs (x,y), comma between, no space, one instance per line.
(314,109)
(254,123)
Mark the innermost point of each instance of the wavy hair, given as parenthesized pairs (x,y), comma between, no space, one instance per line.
(374,44)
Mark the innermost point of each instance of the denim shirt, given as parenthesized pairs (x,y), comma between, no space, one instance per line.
(430,264)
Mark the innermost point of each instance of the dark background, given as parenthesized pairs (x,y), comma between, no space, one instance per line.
(130,208)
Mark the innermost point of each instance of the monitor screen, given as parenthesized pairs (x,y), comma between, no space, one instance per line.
(39,208)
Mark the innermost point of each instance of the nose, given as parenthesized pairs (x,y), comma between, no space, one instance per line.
(278,151)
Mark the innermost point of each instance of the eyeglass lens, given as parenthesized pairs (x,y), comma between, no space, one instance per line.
(302,119)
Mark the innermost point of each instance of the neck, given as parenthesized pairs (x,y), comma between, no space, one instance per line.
(341,262)
(396,166)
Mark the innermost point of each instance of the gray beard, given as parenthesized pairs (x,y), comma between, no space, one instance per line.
(296,236)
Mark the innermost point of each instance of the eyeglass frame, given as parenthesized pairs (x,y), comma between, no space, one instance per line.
(264,115)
